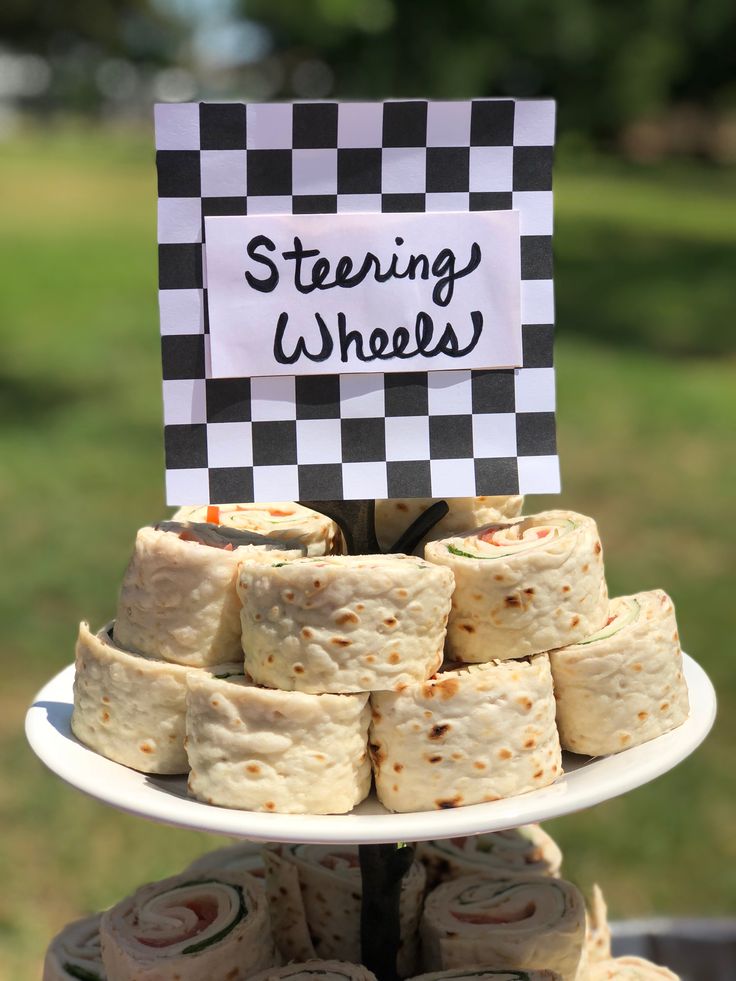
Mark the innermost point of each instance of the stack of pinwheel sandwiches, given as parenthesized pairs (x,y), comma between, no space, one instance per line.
(283,675)
(278,673)
(486,908)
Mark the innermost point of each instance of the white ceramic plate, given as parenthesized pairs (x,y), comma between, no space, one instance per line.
(585,781)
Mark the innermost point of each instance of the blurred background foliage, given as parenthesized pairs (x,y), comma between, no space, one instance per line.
(648,78)
(644,244)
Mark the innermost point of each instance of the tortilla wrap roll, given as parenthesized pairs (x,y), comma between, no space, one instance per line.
(130,707)
(597,931)
(622,685)
(488,974)
(519,851)
(393,516)
(344,623)
(315,970)
(282,520)
(629,969)
(266,750)
(75,953)
(178,599)
(315,896)
(523,587)
(476,733)
(187,929)
(242,860)
(529,922)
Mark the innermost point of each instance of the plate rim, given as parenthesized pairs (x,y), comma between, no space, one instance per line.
(650,760)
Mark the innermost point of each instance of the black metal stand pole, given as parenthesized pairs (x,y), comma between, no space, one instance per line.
(382,867)
(357,521)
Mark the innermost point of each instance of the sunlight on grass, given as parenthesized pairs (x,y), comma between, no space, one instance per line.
(702,210)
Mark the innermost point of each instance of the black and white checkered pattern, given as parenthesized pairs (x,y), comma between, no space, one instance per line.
(421,434)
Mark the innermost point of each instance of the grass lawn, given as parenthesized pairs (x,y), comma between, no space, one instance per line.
(646,409)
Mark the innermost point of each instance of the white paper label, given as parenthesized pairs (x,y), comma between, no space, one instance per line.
(321,294)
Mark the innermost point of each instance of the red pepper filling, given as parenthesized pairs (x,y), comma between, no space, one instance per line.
(190,536)
(487,536)
(204,909)
(483,918)
(331,861)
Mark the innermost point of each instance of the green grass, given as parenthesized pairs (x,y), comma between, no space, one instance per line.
(646,418)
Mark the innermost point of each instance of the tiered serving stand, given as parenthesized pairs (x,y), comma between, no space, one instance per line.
(585,780)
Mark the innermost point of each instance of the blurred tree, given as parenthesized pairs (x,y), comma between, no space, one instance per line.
(91,52)
(606,63)
(656,76)
(135,29)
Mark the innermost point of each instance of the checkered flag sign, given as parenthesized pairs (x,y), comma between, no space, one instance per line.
(436,433)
